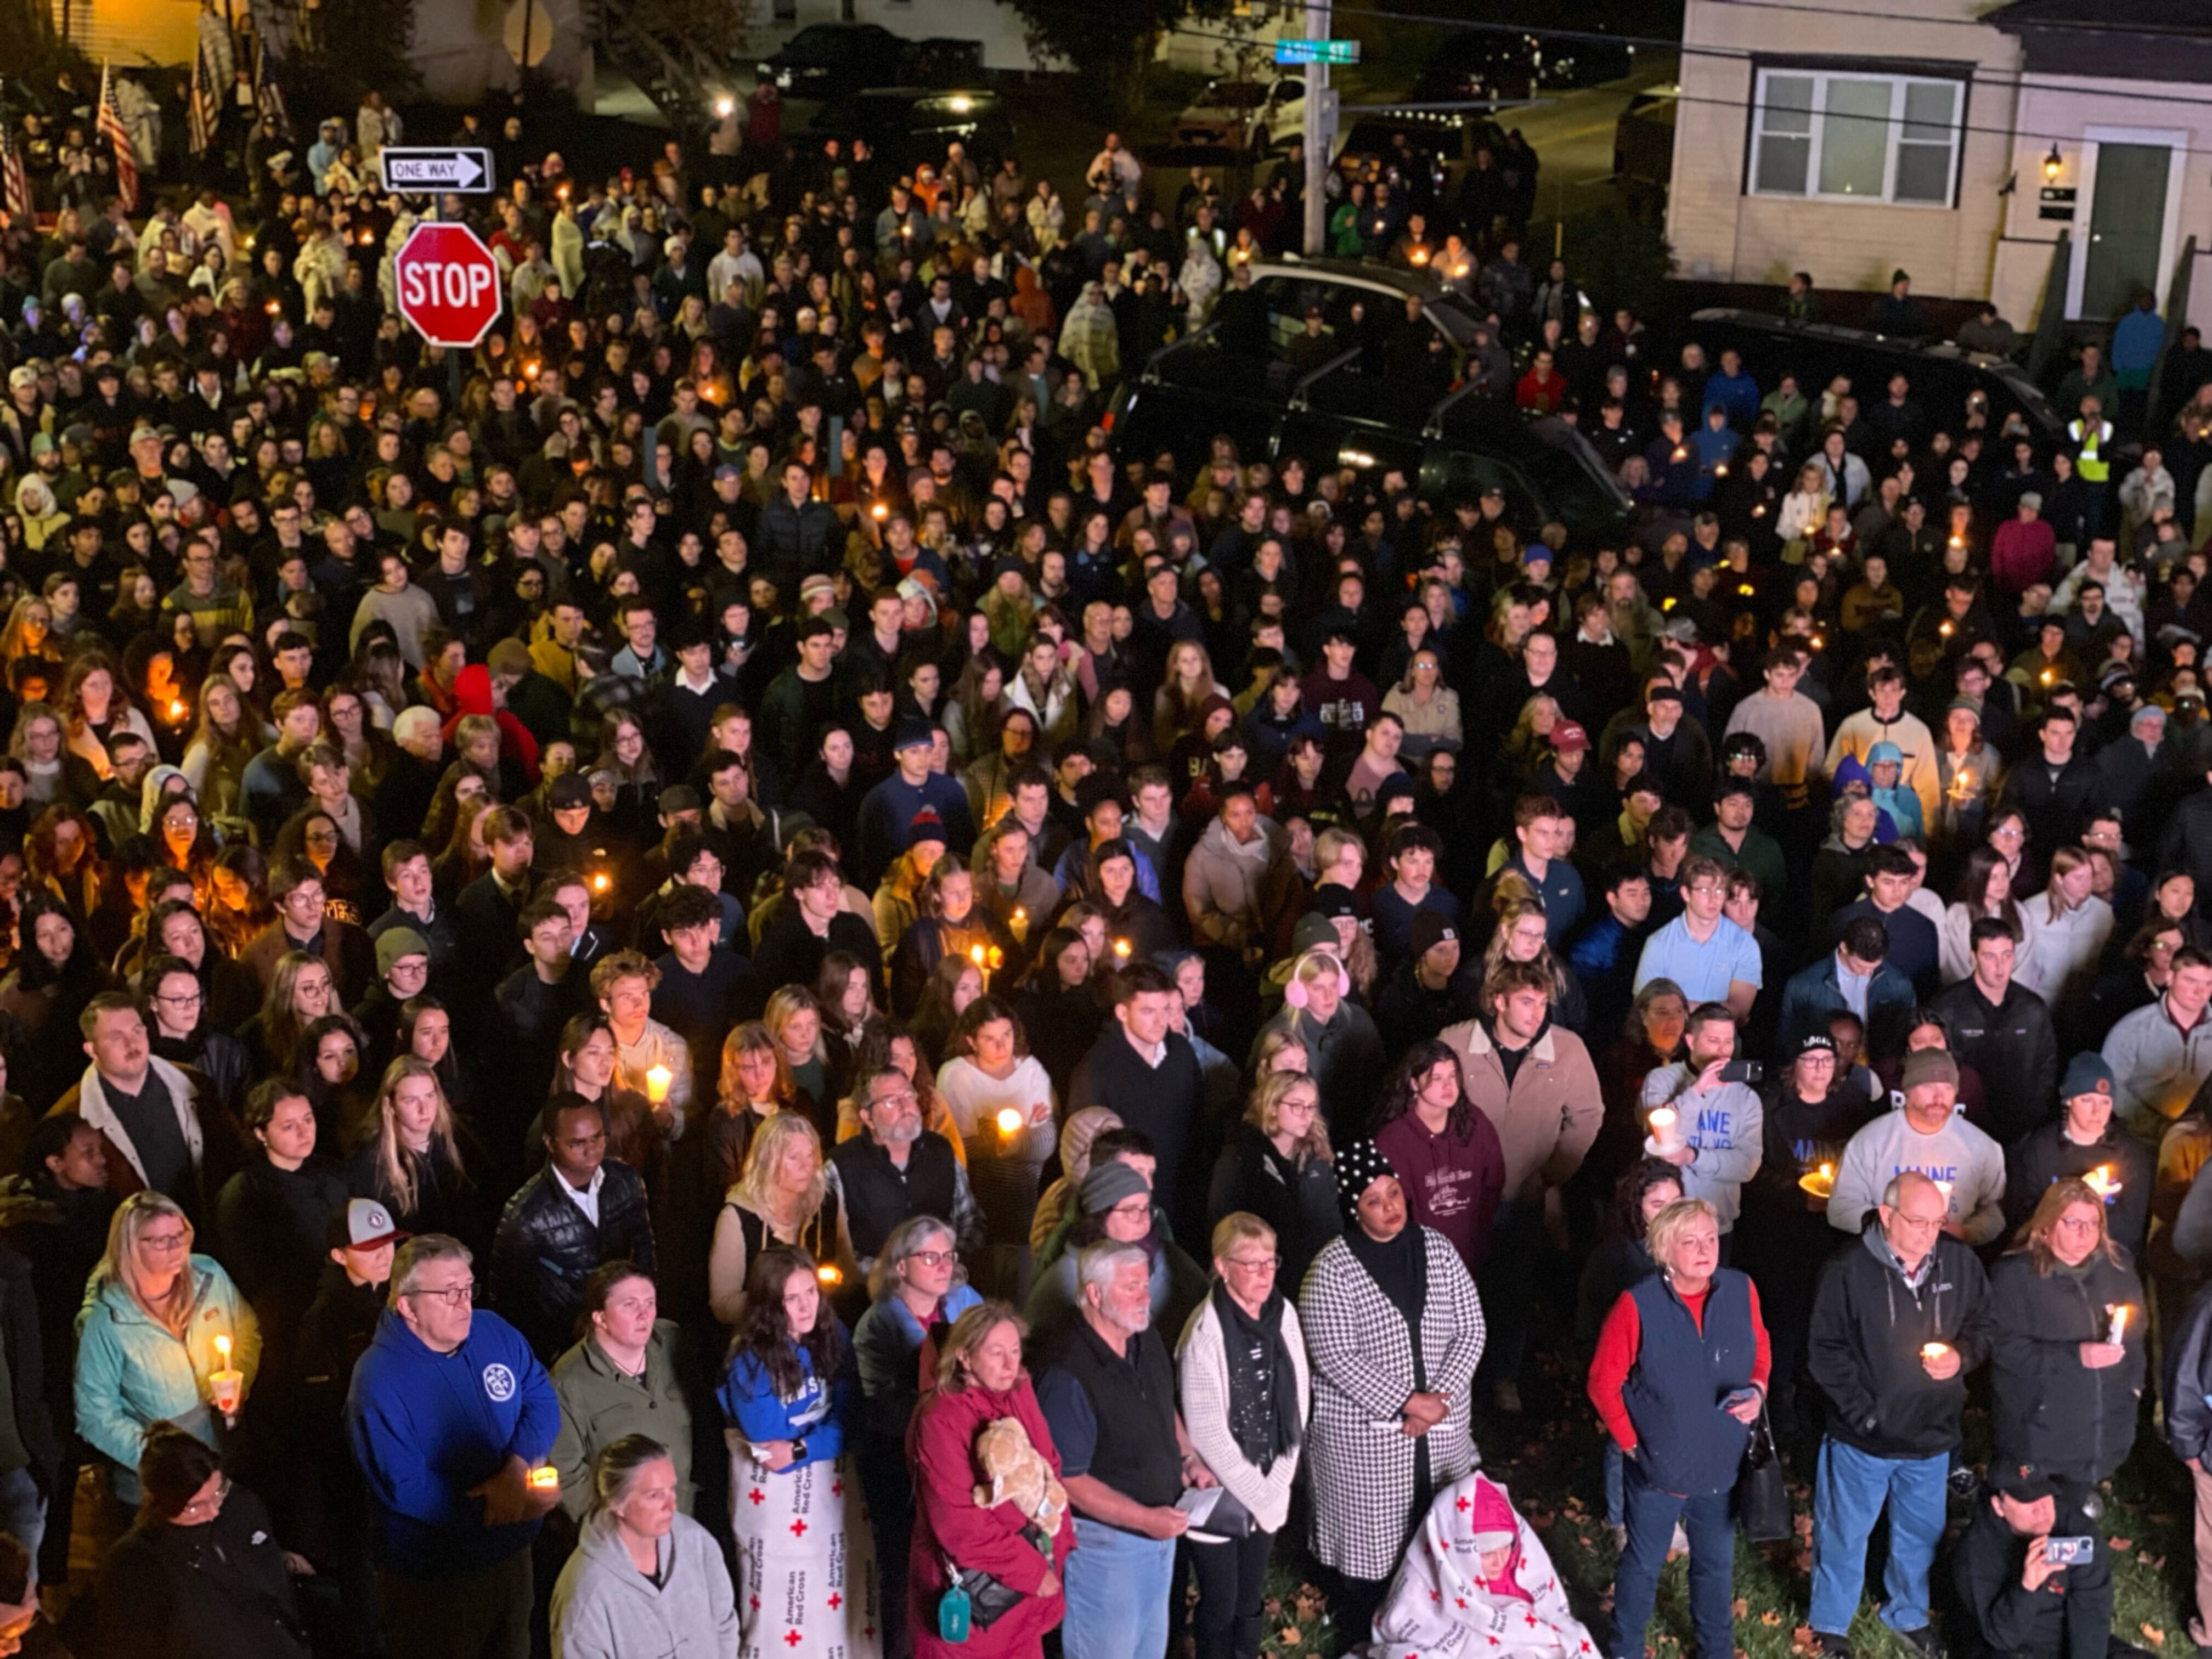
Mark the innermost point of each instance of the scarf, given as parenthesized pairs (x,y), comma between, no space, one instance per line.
(1263,1386)
(1399,1265)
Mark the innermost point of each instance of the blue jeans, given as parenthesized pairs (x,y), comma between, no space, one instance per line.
(22,1511)
(1652,1518)
(1847,1494)
(1615,1504)
(1117,1594)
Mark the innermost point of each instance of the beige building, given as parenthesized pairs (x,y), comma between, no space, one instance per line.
(1950,139)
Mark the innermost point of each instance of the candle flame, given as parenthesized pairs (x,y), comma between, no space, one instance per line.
(223,1347)
(599,882)
(1010,1121)
(1122,950)
(829,1273)
(657,1079)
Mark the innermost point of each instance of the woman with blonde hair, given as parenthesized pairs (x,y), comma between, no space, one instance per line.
(28,632)
(1523,935)
(1246,1393)
(794,1020)
(1805,508)
(38,744)
(146,1342)
(2067,1346)
(2072,927)
(1279,1168)
(788,1194)
(752,1084)
(1178,706)
(410,1159)
(225,739)
(1424,705)
(1343,1048)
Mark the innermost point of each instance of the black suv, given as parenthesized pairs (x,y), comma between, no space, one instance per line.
(828,60)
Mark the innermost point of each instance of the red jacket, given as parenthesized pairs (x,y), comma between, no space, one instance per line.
(947,1520)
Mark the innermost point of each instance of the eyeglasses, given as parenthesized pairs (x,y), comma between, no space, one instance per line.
(2006,832)
(1134,1207)
(208,1506)
(162,1242)
(893,1098)
(186,999)
(459,1296)
(1706,890)
(934,1258)
(1254,1264)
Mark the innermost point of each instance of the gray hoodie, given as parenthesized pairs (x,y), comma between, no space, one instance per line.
(604,1609)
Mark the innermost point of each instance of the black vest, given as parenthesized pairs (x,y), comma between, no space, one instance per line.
(1133,1399)
(878,1194)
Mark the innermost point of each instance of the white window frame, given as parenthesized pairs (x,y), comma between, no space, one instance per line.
(1898,84)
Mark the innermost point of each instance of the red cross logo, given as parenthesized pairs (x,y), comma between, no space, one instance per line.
(1463,1506)
(869,1629)
(757,1497)
(799,1530)
(791,1638)
(755,1601)
(835,1601)
(1586,1646)
(1436,1595)
(1460,1601)
(836,1489)
(1529,1620)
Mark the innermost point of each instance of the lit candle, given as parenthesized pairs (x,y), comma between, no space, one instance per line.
(1945,630)
(1662,1121)
(599,883)
(1121,950)
(1944,1188)
(1019,924)
(1819,644)
(1010,1122)
(1932,1352)
(975,955)
(176,708)
(2100,1181)
(879,512)
(226,1383)
(997,958)
(273,307)
(2118,1333)
(2048,676)
(829,1275)
(545,1478)
(657,1079)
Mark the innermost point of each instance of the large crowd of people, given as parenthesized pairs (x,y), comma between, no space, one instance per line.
(750,996)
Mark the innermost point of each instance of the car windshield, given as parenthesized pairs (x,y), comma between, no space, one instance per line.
(819,45)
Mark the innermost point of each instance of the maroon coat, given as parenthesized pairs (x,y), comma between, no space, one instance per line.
(947,1520)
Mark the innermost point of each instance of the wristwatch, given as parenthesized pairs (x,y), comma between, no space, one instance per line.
(798,1450)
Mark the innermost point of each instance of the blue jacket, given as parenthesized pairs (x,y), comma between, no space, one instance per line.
(1737,394)
(133,1371)
(426,1427)
(1813,994)
(886,821)
(820,1417)
(1688,1445)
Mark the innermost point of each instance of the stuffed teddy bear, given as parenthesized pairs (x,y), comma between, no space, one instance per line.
(1019,1474)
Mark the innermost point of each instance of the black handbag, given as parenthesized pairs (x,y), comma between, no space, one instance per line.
(1762,1490)
(988,1599)
(1228,1519)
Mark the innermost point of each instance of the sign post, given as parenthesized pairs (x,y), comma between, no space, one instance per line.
(441,167)
(448,290)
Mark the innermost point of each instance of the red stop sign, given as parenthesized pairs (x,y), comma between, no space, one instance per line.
(448,283)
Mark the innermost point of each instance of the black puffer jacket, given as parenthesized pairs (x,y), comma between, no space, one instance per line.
(2047,1155)
(547,1247)
(1869,1327)
(2048,1408)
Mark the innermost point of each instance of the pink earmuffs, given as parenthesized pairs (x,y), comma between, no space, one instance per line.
(1294,988)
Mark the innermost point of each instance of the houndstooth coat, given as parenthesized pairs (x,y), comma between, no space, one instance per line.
(1360,1458)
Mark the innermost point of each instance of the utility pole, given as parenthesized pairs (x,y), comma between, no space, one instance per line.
(1320,131)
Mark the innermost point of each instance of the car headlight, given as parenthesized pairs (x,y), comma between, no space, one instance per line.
(783,79)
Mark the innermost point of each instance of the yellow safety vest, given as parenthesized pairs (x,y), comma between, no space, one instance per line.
(2090,463)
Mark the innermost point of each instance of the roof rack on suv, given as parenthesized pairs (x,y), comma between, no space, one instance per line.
(1150,375)
(1312,376)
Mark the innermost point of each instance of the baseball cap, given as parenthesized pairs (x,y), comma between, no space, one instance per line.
(1567,735)
(141,434)
(395,946)
(509,657)
(362,1224)
(1312,930)
(568,791)
(678,797)
(20,376)
(1816,1041)
(2024,1483)
(913,734)
(2087,1074)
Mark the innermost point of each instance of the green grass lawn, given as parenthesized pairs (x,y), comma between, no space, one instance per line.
(1549,1461)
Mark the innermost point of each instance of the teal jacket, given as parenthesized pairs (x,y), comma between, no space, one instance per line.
(132,1371)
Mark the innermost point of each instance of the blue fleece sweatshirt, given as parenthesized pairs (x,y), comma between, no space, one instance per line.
(425,1427)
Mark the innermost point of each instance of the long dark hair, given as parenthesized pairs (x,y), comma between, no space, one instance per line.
(1405,1081)
(1625,1220)
(767,1333)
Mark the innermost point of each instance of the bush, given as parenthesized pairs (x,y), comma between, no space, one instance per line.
(1619,261)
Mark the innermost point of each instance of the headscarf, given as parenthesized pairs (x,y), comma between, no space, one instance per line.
(1399,1265)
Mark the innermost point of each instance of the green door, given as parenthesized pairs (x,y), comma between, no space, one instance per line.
(2127,222)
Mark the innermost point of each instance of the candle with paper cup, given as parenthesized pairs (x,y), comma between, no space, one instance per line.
(225,1385)
(1666,1135)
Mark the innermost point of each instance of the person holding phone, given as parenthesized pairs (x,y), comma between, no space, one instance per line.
(1719,1120)
(2033,1571)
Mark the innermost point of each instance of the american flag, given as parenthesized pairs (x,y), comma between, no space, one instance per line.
(112,129)
(15,183)
(268,95)
(199,104)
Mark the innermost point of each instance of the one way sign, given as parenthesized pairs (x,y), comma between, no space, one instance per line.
(411,168)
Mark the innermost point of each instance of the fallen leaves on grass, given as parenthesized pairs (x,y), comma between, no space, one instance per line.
(1740,1607)
(2152,1634)
(2124,1543)
(1770,1617)
(1804,1640)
